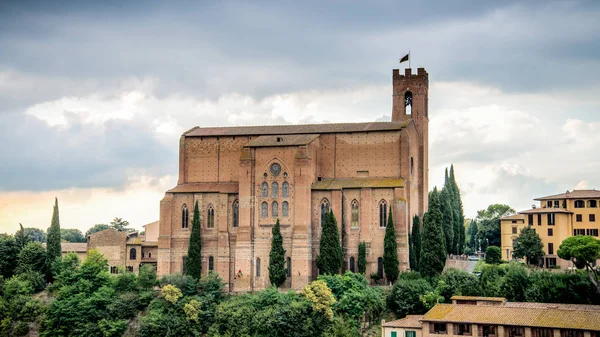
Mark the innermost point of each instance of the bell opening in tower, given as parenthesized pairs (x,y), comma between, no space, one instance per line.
(408,102)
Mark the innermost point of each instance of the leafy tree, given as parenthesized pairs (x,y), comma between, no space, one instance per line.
(405,297)
(72,235)
(194,256)
(147,277)
(9,252)
(120,225)
(390,251)
(434,297)
(493,255)
(35,234)
(529,244)
(32,258)
(583,251)
(448,221)
(491,280)
(321,298)
(489,223)
(277,272)
(362,257)
(416,241)
(53,247)
(515,282)
(460,283)
(472,232)
(330,258)
(96,228)
(21,237)
(433,251)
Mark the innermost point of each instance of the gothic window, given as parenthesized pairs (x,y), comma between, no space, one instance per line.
(264,210)
(324,210)
(275,169)
(275,209)
(380,267)
(132,254)
(210,217)
(382,213)
(264,190)
(352,264)
(289,266)
(257,267)
(285,189)
(579,204)
(411,165)
(354,213)
(211,263)
(184,216)
(236,213)
(285,209)
(275,190)
(408,102)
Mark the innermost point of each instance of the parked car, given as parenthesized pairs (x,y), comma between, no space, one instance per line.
(473,258)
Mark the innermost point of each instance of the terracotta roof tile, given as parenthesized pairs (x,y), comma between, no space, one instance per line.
(295,129)
(575,194)
(287,140)
(518,316)
(513,217)
(545,210)
(205,187)
(478,298)
(340,183)
(410,321)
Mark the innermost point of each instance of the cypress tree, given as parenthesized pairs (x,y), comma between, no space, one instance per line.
(22,238)
(53,247)
(390,251)
(416,241)
(448,220)
(277,272)
(459,216)
(362,257)
(193,263)
(330,258)
(412,262)
(433,250)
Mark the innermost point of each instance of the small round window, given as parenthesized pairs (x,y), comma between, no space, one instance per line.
(275,169)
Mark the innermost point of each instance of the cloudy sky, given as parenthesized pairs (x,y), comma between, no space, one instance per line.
(94,97)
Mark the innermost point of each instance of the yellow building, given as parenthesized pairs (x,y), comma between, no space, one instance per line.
(556,218)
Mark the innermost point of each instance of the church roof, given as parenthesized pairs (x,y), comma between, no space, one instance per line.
(295,129)
(575,194)
(205,187)
(340,183)
(287,140)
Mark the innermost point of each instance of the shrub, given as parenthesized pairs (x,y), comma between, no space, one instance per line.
(493,255)
(460,283)
(171,293)
(185,283)
(405,296)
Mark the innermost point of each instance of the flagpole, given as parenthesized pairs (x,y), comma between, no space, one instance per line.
(409,58)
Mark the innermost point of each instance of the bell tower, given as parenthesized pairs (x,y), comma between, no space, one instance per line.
(410,101)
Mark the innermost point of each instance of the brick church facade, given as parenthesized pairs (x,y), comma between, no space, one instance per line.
(245,178)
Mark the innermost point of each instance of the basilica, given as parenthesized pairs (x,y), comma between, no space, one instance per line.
(245,178)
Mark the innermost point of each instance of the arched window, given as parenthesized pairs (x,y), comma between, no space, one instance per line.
(289,266)
(132,254)
(382,213)
(352,264)
(324,210)
(236,213)
(274,209)
(411,166)
(210,217)
(264,210)
(275,190)
(285,209)
(211,263)
(592,203)
(380,267)
(579,204)
(285,189)
(184,216)
(408,102)
(354,213)
(149,255)
(264,190)
(257,267)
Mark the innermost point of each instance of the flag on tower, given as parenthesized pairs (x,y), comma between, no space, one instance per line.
(405,58)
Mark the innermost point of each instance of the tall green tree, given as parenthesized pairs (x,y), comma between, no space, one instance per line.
(448,221)
(472,233)
(193,262)
(458,215)
(488,222)
(416,241)
(96,228)
(493,255)
(390,251)
(120,225)
(9,252)
(277,272)
(529,245)
(583,251)
(72,235)
(32,258)
(53,246)
(433,250)
(330,257)
(362,257)
(22,237)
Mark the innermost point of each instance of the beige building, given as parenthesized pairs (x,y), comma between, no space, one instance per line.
(75,247)
(495,317)
(245,178)
(409,326)
(556,218)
